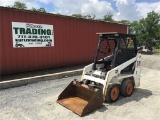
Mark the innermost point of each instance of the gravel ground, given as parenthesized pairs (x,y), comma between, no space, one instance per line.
(38,101)
(151,61)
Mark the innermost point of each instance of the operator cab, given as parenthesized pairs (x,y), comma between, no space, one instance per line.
(114,49)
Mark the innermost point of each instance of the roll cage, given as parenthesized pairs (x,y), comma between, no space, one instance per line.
(123,48)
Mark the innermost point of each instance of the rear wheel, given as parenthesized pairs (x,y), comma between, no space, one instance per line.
(127,88)
(112,93)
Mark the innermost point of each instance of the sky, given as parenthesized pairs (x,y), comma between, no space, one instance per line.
(121,9)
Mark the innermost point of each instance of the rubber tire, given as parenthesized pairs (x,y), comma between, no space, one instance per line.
(124,88)
(108,95)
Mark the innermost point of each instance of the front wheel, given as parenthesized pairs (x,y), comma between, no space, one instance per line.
(127,88)
(112,93)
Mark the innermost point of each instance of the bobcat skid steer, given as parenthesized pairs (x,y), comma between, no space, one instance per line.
(115,70)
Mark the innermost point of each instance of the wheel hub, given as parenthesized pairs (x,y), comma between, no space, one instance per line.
(129,88)
(114,93)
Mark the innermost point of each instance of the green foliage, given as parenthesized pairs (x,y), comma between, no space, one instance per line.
(125,22)
(147,29)
(19,5)
(157,45)
(41,9)
(150,27)
(33,9)
(157,51)
(88,16)
(135,28)
(108,17)
(77,15)
(59,14)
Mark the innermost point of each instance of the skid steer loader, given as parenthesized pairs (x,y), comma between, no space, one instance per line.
(115,70)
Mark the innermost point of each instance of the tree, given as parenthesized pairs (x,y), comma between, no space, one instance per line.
(89,16)
(33,9)
(19,5)
(136,28)
(150,28)
(59,14)
(77,15)
(41,9)
(147,29)
(125,22)
(108,17)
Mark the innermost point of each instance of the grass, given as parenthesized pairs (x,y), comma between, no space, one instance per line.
(157,51)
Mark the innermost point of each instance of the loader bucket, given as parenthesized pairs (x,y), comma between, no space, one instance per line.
(80,99)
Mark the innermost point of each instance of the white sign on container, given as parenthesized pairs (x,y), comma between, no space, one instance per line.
(32,35)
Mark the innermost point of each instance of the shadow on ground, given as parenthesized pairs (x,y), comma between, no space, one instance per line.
(137,95)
